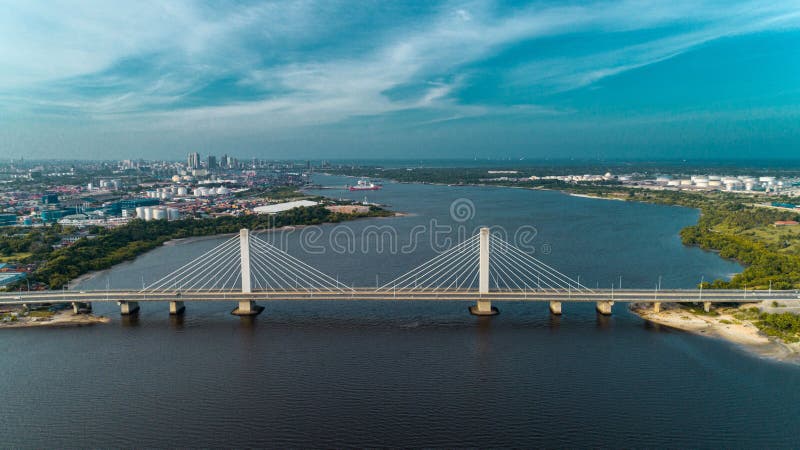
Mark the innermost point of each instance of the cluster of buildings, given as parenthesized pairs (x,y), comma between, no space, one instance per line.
(110,194)
(582,178)
(766,184)
(740,183)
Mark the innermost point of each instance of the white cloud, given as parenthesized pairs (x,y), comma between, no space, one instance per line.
(270,47)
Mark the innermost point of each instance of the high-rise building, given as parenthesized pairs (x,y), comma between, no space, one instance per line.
(193,162)
(212,162)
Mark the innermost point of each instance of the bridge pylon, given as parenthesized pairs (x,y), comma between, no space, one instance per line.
(483,306)
(246,307)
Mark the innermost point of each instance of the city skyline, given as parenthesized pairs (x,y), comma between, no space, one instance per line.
(613,80)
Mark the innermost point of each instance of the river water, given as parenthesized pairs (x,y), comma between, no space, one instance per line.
(338,374)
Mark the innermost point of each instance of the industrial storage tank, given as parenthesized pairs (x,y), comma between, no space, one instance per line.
(159,214)
(715,183)
(686,182)
(173,214)
(674,183)
(223,191)
(182,191)
(148,214)
(140,212)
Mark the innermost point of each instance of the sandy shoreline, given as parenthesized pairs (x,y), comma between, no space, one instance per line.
(64,318)
(596,197)
(723,326)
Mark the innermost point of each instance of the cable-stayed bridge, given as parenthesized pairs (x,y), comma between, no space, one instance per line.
(484,268)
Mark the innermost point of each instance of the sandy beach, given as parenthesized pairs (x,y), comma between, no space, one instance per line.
(723,326)
(597,197)
(64,318)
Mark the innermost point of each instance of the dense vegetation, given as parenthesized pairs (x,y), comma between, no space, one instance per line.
(112,246)
(36,242)
(785,326)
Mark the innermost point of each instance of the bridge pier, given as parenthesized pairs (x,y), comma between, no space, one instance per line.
(176,308)
(247,308)
(483,308)
(707,306)
(128,308)
(656,307)
(555,308)
(81,308)
(604,308)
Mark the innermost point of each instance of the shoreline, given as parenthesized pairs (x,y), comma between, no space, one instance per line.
(722,326)
(592,196)
(191,239)
(60,319)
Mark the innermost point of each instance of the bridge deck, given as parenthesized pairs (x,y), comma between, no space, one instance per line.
(371,294)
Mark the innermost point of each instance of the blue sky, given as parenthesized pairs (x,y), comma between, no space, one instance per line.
(401,79)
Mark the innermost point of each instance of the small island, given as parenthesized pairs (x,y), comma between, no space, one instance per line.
(21,317)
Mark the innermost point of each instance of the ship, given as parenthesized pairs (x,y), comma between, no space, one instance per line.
(364,185)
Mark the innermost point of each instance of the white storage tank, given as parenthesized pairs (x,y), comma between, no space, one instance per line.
(686,182)
(182,191)
(159,214)
(715,183)
(140,212)
(173,214)
(673,183)
(223,191)
(148,214)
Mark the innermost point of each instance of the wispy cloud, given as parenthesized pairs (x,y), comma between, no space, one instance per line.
(308,63)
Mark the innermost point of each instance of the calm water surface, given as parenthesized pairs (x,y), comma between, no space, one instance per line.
(337,374)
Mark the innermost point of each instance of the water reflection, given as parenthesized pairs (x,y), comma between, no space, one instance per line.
(555,322)
(130,320)
(603,321)
(176,321)
(483,329)
(651,326)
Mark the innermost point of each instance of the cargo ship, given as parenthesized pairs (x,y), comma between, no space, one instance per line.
(364,185)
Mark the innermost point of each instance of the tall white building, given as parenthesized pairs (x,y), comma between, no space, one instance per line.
(193,161)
